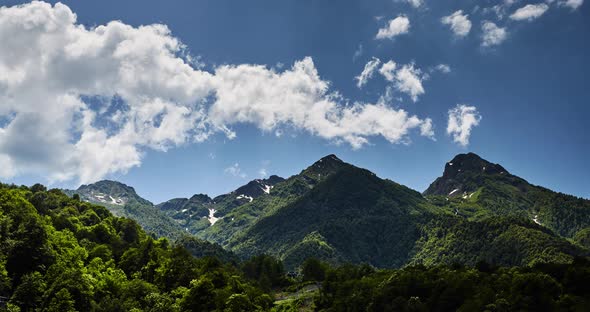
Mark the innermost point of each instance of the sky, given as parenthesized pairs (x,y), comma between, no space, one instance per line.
(182,97)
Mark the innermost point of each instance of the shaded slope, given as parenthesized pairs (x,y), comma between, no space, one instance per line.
(352,216)
(242,216)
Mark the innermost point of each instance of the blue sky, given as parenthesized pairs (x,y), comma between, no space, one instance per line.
(526,90)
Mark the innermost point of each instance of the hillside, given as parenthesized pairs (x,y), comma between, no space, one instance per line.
(122,200)
(282,193)
(340,213)
(475,188)
(200,211)
(334,211)
(352,216)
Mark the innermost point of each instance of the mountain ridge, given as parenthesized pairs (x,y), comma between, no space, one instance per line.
(334,210)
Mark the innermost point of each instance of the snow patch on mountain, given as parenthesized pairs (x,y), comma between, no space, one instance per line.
(267,188)
(242,196)
(212,219)
(102,198)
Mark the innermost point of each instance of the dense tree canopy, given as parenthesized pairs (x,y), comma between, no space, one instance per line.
(61,254)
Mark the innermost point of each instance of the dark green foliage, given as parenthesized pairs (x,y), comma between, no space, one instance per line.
(266,270)
(313,269)
(351,215)
(443,288)
(202,248)
(583,237)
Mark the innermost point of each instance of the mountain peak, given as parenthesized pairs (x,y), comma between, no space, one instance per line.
(327,162)
(471,162)
(202,198)
(330,158)
(109,184)
(463,174)
(258,187)
(109,192)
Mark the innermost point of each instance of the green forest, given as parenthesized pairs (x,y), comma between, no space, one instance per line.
(58,253)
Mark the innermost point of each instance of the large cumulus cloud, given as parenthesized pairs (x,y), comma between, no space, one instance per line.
(81,103)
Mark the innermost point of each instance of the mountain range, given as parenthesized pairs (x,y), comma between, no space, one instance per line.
(476,211)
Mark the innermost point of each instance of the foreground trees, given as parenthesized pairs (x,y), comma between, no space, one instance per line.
(60,254)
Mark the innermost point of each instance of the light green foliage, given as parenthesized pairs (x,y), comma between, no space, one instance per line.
(62,254)
(132,206)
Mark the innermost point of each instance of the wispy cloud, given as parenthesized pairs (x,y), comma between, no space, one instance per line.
(358,52)
(367,72)
(415,3)
(572,4)
(235,170)
(443,68)
(462,119)
(529,12)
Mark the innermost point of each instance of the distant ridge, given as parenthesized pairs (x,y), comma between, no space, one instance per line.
(339,213)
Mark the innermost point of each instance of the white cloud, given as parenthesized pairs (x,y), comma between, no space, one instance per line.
(299,98)
(459,22)
(358,53)
(573,4)
(236,171)
(427,129)
(443,68)
(406,79)
(367,72)
(415,3)
(388,70)
(492,34)
(462,119)
(262,173)
(397,26)
(501,8)
(529,12)
(6,167)
(87,102)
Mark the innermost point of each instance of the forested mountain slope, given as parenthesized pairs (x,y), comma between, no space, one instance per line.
(332,210)
(475,188)
(340,213)
(200,211)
